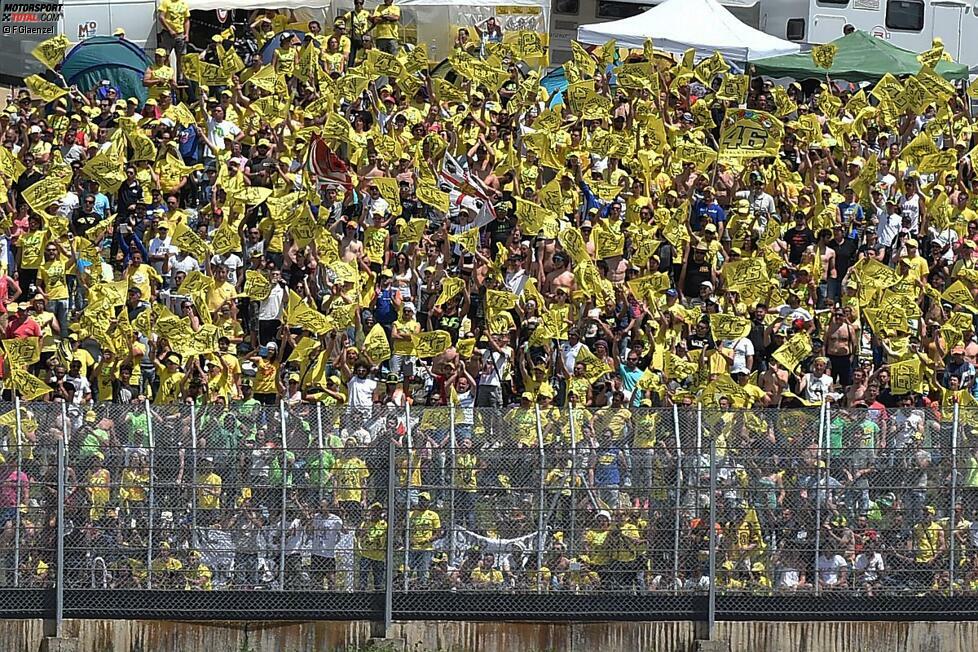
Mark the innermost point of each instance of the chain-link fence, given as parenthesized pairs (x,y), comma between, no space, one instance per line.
(533,511)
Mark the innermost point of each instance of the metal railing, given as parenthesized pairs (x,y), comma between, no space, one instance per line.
(538,512)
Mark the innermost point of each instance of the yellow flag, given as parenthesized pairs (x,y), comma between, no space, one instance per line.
(189,241)
(390,190)
(43,89)
(734,88)
(593,367)
(646,288)
(958,294)
(430,344)
(432,196)
(729,327)
(451,286)
(468,239)
(906,376)
(824,55)
(10,166)
(411,232)
(747,133)
(709,68)
(531,217)
(381,63)
(22,352)
(52,51)
(27,385)
(794,351)
(107,167)
(931,57)
(375,345)
(47,191)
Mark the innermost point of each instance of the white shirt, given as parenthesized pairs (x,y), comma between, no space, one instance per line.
(569,353)
(233,262)
(68,204)
(187,265)
(871,564)
(829,568)
(271,307)
(218,131)
(295,537)
(911,209)
(361,391)
(326,534)
(817,387)
(742,348)
(162,247)
(888,228)
(493,368)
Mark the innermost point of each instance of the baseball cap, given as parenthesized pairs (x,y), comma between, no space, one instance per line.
(160,52)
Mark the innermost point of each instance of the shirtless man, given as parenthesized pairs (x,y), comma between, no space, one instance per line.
(560,277)
(839,346)
(827,285)
(351,249)
(774,382)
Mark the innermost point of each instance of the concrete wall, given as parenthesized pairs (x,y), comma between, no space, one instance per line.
(160,636)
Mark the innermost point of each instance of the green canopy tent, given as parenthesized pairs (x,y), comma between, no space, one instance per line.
(860,58)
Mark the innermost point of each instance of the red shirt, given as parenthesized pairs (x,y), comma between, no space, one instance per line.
(19,328)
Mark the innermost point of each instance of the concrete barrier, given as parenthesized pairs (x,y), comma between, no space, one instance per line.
(444,636)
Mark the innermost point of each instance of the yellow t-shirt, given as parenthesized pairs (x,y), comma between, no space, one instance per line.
(53,274)
(385,29)
(373,540)
(141,277)
(31,245)
(209,491)
(174,14)
(265,377)
(219,294)
(406,347)
(348,478)
(424,524)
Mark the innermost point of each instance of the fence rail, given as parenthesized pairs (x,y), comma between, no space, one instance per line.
(309,511)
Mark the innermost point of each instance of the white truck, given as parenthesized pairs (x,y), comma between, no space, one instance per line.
(909,24)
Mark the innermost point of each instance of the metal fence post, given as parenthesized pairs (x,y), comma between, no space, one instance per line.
(17,503)
(952,517)
(573,482)
(541,498)
(59,599)
(818,491)
(679,490)
(389,552)
(407,494)
(193,471)
(319,453)
(451,481)
(152,495)
(284,472)
(712,601)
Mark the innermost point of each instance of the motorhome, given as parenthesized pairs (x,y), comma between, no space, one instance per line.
(909,24)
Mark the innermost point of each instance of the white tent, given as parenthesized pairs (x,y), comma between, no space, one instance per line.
(677,25)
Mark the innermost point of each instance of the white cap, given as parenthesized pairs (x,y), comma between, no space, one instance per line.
(604,513)
(409,306)
(35,129)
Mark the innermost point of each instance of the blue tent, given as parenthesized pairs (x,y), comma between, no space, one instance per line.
(268,50)
(120,61)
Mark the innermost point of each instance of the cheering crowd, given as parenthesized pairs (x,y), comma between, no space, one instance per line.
(513,290)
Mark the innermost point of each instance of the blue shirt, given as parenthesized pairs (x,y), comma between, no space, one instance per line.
(703,211)
(852,216)
(101,204)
